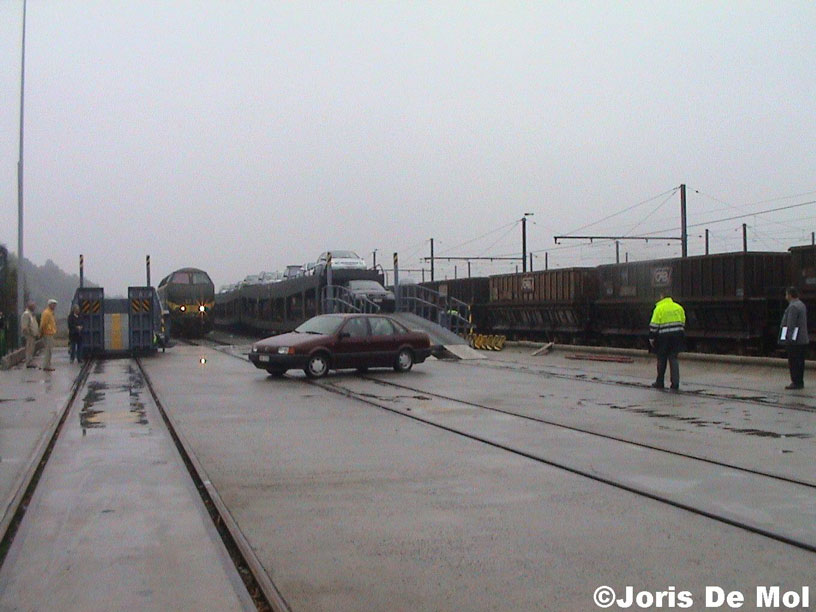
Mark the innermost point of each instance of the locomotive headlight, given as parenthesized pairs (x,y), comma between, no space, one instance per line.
(183,308)
(201,308)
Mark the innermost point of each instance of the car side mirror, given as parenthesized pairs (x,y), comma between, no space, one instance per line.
(345,335)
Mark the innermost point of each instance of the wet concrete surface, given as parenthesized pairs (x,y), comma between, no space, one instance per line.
(724,424)
(31,402)
(785,509)
(350,507)
(115,522)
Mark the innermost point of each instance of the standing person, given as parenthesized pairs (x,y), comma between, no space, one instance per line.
(667,331)
(30,330)
(75,334)
(48,329)
(2,334)
(794,335)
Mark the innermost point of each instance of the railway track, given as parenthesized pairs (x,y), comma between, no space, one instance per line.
(712,391)
(408,400)
(778,528)
(263,591)
(260,588)
(594,433)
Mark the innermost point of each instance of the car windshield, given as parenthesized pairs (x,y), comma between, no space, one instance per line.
(364,285)
(344,255)
(324,325)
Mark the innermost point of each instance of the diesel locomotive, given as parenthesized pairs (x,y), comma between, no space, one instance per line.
(188,298)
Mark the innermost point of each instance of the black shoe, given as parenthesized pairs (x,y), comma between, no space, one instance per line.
(31,365)
(675,387)
(658,385)
(795,386)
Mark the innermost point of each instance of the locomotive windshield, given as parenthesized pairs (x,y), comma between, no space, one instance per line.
(190,278)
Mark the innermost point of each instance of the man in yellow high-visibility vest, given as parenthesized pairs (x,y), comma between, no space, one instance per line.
(667,333)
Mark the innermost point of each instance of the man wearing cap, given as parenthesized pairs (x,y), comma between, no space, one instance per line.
(30,330)
(48,329)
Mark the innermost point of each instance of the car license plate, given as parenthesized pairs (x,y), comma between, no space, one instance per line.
(263,357)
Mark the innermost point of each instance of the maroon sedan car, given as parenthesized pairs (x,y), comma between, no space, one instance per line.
(337,341)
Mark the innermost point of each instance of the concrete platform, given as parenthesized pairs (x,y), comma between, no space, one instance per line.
(115,522)
(31,403)
(350,507)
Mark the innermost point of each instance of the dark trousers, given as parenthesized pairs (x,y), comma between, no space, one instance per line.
(796,362)
(75,347)
(667,349)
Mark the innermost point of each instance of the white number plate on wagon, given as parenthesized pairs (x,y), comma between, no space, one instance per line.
(263,357)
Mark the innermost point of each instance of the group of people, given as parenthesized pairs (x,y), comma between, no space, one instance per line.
(46,328)
(667,335)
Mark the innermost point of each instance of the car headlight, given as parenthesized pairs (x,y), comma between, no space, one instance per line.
(285,350)
(183,308)
(254,349)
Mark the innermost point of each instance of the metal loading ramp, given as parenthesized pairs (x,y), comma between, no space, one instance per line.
(451,344)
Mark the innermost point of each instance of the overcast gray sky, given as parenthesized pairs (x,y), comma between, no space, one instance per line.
(245,136)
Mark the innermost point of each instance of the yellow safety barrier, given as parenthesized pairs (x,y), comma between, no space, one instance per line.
(484,342)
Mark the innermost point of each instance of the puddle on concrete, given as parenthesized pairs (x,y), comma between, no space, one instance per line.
(102,399)
(697,422)
(89,419)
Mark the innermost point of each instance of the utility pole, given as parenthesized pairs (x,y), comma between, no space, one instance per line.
(524,241)
(531,262)
(546,260)
(468,268)
(374,254)
(706,241)
(683,226)
(432,261)
(20,273)
(617,251)
(744,237)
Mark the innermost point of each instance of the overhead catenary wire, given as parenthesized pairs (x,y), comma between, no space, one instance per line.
(735,207)
(646,218)
(493,231)
(669,192)
(500,238)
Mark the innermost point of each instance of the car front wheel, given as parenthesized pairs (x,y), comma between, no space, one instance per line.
(405,360)
(317,366)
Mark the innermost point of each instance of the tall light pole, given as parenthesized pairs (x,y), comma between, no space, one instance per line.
(20,274)
(524,241)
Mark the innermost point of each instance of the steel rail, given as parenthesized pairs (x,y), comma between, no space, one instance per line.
(572,470)
(260,586)
(27,483)
(526,369)
(590,432)
(328,386)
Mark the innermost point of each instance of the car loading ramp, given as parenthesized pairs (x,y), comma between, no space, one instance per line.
(440,336)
